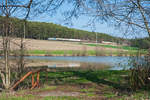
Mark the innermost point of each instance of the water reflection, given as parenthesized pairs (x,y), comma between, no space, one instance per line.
(117,63)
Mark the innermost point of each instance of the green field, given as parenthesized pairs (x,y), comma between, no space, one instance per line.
(117,51)
(120,51)
(90,84)
(85,53)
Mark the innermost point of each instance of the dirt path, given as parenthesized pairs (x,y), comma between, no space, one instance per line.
(60,91)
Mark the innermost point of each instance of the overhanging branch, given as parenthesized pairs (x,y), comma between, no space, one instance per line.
(14,6)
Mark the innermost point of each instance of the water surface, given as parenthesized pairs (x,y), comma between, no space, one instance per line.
(116,62)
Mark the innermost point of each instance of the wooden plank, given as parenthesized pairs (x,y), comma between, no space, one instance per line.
(25,76)
(33,81)
(38,78)
(35,84)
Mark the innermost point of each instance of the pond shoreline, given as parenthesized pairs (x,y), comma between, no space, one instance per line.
(69,55)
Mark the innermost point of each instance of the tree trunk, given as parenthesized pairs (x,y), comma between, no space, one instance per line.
(6,41)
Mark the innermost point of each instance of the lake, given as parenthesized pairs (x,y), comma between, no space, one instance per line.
(116,62)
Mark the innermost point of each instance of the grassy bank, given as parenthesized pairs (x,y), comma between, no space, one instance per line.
(81,84)
(115,47)
(85,52)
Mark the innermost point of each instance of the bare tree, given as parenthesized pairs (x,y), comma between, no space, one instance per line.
(132,15)
(19,9)
(7,8)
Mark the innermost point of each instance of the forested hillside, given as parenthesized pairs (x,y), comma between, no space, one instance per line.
(38,30)
(42,30)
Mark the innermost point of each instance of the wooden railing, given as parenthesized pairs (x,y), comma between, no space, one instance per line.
(37,70)
(34,83)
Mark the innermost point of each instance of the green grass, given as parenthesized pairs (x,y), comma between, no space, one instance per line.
(87,90)
(57,52)
(45,88)
(116,47)
(61,98)
(26,97)
(109,95)
(85,53)
(31,97)
(105,82)
(110,80)
(37,52)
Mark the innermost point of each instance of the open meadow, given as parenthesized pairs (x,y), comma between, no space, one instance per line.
(35,47)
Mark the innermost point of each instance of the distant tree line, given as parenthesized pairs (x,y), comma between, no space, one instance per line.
(38,30)
(143,43)
(43,31)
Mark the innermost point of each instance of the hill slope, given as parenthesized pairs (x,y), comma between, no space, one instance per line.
(43,31)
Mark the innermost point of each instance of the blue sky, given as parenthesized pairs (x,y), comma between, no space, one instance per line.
(81,23)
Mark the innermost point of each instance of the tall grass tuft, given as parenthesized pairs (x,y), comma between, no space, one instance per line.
(120,52)
(140,72)
(99,52)
(84,51)
(48,53)
(65,53)
(78,53)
